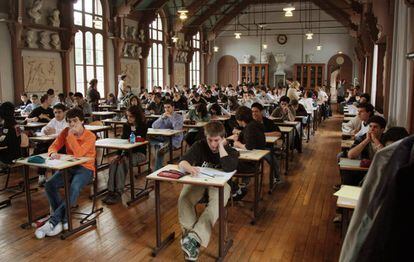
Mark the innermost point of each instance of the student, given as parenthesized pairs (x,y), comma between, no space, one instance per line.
(358,125)
(208,96)
(61,99)
(111,99)
(168,120)
(270,129)
(93,95)
(308,102)
(251,137)
(180,102)
(134,101)
(53,99)
(367,145)
(78,142)
(197,98)
(122,87)
(30,107)
(198,114)
(25,101)
(54,127)
(156,106)
(264,96)
(81,103)
(293,91)
(70,100)
(284,111)
(364,98)
(118,169)
(299,109)
(43,113)
(217,110)
(10,135)
(212,152)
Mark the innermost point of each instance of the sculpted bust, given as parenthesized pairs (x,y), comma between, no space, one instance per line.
(55,41)
(34,11)
(44,39)
(54,18)
(31,39)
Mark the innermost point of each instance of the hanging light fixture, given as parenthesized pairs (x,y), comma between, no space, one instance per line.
(237,35)
(319,46)
(309,35)
(174,38)
(288,10)
(215,49)
(264,46)
(183,14)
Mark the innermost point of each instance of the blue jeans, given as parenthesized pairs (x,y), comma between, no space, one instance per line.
(275,164)
(79,177)
(161,148)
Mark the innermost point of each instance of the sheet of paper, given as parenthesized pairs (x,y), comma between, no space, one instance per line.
(211,172)
(349,192)
(54,162)
(116,141)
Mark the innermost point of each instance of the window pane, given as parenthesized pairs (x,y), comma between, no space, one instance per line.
(89,40)
(79,40)
(80,88)
(149,59)
(78,5)
(89,56)
(97,22)
(100,77)
(160,35)
(159,23)
(98,42)
(88,20)
(78,56)
(149,79)
(88,6)
(89,73)
(79,74)
(160,77)
(98,7)
(99,57)
(77,17)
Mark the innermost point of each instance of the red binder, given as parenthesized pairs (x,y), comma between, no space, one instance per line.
(171,174)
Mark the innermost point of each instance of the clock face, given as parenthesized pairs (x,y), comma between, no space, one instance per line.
(282,39)
(340,60)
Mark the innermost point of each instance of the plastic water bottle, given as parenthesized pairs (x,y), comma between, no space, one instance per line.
(132,138)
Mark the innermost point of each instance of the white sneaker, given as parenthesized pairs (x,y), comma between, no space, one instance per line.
(42,231)
(65,226)
(42,180)
(56,230)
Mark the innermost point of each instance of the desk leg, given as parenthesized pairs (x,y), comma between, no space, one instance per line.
(143,192)
(272,163)
(171,149)
(28,224)
(287,153)
(67,199)
(300,137)
(161,244)
(308,124)
(224,245)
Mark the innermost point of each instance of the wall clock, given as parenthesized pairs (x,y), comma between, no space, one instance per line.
(340,60)
(282,39)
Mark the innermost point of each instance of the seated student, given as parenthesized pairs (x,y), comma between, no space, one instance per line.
(30,107)
(168,120)
(284,111)
(364,98)
(208,96)
(118,169)
(213,152)
(78,142)
(70,100)
(43,113)
(394,134)
(134,101)
(197,99)
(81,103)
(251,137)
(367,145)
(198,114)
(54,127)
(299,108)
(351,96)
(358,125)
(61,99)
(156,107)
(270,129)
(264,96)
(25,101)
(180,102)
(127,96)
(10,135)
(111,100)
(217,110)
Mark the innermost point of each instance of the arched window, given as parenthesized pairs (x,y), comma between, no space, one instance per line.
(89,44)
(155,61)
(195,62)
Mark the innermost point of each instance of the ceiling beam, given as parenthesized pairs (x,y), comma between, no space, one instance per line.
(198,21)
(334,11)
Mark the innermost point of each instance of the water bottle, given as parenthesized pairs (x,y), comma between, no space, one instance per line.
(132,138)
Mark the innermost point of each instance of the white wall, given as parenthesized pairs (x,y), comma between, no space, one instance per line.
(6,66)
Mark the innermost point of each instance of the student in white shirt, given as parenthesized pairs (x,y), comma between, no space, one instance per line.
(122,87)
(53,128)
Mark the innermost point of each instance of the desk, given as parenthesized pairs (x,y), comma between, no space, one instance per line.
(3,147)
(167,133)
(97,129)
(107,107)
(223,245)
(153,116)
(349,115)
(102,114)
(346,144)
(43,139)
(346,135)
(351,165)
(123,144)
(65,162)
(300,119)
(220,118)
(33,125)
(271,140)
(115,122)
(294,124)
(348,197)
(286,130)
(196,125)
(255,155)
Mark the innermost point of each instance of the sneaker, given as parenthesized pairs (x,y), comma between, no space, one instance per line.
(125,199)
(337,218)
(190,246)
(239,194)
(41,180)
(65,226)
(42,231)
(39,223)
(115,198)
(56,230)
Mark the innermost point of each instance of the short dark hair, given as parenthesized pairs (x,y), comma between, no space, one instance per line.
(367,106)
(34,95)
(158,95)
(214,128)
(71,93)
(78,94)
(378,120)
(59,106)
(394,134)
(24,94)
(50,91)
(43,98)
(244,113)
(258,106)
(250,92)
(75,112)
(294,102)
(169,102)
(284,99)
(366,96)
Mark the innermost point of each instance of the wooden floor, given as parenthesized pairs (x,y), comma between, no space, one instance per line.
(296,226)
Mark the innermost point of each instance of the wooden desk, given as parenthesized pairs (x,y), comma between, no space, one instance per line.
(107,107)
(220,118)
(272,139)
(115,122)
(153,116)
(65,162)
(97,129)
(170,133)
(286,130)
(123,144)
(346,144)
(294,124)
(33,125)
(300,119)
(349,115)
(351,165)
(43,139)
(102,114)
(348,197)
(223,245)
(196,125)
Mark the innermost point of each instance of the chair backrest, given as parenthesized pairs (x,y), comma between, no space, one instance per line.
(24,140)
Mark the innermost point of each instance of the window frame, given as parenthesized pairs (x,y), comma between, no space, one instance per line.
(156,55)
(195,64)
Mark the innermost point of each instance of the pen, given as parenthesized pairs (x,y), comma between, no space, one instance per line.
(207,174)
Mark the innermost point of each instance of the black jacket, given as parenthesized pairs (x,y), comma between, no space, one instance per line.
(140,130)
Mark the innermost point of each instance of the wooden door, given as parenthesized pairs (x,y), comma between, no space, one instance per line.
(227,70)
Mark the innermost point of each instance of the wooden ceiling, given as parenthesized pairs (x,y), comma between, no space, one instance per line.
(211,16)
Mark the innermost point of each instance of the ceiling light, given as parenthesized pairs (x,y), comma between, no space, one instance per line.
(237,35)
(288,10)
(319,47)
(183,14)
(264,46)
(339,52)
(309,35)
(216,49)
(174,39)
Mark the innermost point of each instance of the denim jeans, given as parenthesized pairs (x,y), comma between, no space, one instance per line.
(79,177)
(160,148)
(274,165)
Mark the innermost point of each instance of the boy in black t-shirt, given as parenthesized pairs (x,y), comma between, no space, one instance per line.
(215,153)
(43,113)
